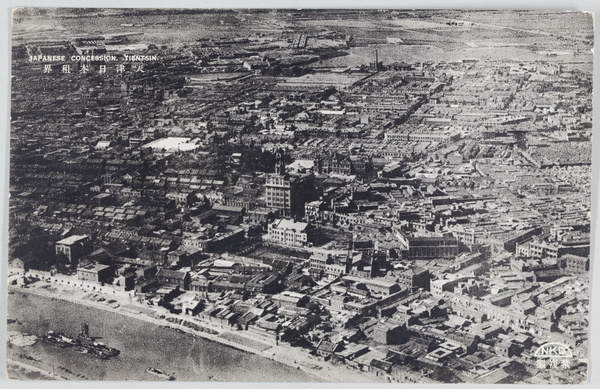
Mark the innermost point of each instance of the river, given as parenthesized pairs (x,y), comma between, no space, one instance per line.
(142,344)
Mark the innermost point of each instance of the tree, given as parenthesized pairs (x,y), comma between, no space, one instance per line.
(295,339)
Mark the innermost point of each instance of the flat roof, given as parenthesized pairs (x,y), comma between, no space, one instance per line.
(172,144)
(72,239)
(93,268)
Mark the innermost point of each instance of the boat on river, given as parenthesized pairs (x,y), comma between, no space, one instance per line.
(159,373)
(82,343)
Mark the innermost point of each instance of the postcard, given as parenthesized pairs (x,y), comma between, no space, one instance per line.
(282,195)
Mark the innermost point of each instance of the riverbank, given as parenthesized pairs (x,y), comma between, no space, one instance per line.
(142,344)
(239,340)
(23,371)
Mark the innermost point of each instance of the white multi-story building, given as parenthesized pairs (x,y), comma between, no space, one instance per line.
(290,233)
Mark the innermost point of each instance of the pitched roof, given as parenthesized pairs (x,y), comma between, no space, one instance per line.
(327,346)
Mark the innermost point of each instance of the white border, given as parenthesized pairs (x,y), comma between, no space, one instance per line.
(579,5)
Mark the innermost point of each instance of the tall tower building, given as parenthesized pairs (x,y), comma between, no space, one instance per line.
(280,162)
(288,193)
(377,65)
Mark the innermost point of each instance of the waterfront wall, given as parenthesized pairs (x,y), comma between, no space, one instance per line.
(73,281)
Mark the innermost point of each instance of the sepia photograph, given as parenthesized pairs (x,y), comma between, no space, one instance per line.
(300,195)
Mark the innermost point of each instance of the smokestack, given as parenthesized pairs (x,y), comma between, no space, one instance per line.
(376,59)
